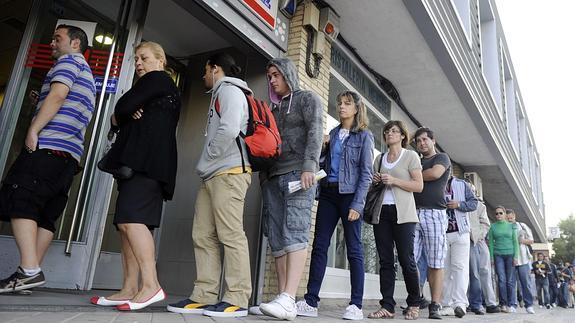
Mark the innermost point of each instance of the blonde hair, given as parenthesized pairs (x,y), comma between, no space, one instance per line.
(360,120)
(156,49)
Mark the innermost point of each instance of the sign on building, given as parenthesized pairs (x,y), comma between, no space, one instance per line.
(266,10)
(554,233)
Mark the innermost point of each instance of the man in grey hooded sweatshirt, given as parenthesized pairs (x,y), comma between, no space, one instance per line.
(218,218)
(287,217)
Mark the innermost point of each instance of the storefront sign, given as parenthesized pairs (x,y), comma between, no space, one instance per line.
(111,86)
(357,78)
(40,56)
(266,10)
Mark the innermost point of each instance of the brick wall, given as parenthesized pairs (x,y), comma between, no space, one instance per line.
(297,52)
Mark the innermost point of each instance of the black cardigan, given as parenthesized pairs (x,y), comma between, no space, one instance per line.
(148,145)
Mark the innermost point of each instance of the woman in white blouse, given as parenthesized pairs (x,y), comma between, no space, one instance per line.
(399,170)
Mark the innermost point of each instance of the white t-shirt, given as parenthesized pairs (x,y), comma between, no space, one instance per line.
(388,197)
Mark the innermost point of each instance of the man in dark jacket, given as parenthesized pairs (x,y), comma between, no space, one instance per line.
(287,217)
(541,270)
(553,279)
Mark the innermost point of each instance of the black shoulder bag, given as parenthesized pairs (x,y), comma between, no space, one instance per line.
(373,200)
(106,165)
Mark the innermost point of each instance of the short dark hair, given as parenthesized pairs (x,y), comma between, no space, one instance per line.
(226,62)
(76,33)
(402,128)
(509,211)
(540,253)
(423,130)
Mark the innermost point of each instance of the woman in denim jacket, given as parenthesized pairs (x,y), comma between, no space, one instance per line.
(348,163)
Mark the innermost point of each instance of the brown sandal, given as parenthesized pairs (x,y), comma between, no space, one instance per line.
(412,313)
(382,313)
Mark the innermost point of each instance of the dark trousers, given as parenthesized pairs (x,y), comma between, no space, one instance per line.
(542,286)
(333,207)
(553,290)
(387,234)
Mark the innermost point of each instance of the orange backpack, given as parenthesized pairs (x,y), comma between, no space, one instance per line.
(262,138)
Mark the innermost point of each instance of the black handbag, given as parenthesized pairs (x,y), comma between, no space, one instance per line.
(373,200)
(121,172)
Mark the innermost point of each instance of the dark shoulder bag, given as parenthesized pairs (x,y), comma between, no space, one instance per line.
(373,200)
(107,166)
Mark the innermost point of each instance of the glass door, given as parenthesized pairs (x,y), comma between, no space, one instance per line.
(106,22)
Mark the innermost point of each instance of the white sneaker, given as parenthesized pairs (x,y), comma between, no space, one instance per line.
(530,310)
(255,310)
(512,309)
(304,309)
(446,311)
(283,307)
(352,312)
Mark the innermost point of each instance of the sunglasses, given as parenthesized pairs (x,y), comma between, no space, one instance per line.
(499,213)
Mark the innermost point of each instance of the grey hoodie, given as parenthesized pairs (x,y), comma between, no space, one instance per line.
(299,117)
(221,151)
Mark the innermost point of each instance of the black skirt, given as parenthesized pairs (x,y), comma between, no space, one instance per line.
(139,200)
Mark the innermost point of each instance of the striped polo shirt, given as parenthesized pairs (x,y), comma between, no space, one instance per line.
(65,132)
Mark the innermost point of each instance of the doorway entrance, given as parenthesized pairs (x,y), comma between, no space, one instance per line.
(67,262)
(85,251)
(188,39)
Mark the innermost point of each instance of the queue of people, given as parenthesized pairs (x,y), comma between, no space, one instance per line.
(425,213)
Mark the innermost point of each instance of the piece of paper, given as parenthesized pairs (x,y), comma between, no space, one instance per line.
(296,185)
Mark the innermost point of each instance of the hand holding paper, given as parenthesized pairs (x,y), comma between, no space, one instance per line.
(296,185)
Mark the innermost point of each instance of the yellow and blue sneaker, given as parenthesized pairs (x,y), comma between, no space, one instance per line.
(225,309)
(187,306)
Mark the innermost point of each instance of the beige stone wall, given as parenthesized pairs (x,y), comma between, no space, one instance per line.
(297,52)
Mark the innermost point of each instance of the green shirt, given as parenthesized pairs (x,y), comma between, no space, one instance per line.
(503,239)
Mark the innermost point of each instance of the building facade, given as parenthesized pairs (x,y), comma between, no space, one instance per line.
(443,64)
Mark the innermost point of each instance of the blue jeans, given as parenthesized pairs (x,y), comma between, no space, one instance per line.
(524,278)
(333,207)
(422,267)
(563,297)
(542,286)
(506,280)
(474,292)
(553,290)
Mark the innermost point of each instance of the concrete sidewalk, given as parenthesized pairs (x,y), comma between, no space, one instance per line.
(326,315)
(47,306)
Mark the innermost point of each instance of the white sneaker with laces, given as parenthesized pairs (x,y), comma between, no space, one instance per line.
(447,311)
(352,312)
(283,307)
(304,309)
(512,309)
(530,310)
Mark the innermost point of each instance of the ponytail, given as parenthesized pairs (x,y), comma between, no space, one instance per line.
(226,62)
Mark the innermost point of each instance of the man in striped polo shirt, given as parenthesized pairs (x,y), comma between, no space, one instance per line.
(35,191)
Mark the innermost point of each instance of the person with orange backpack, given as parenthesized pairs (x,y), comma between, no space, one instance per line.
(218,219)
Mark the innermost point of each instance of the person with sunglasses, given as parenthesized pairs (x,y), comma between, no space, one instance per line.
(504,251)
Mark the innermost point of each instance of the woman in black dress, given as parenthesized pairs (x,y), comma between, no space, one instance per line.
(146,117)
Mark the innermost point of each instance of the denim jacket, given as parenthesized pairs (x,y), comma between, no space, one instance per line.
(355,168)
